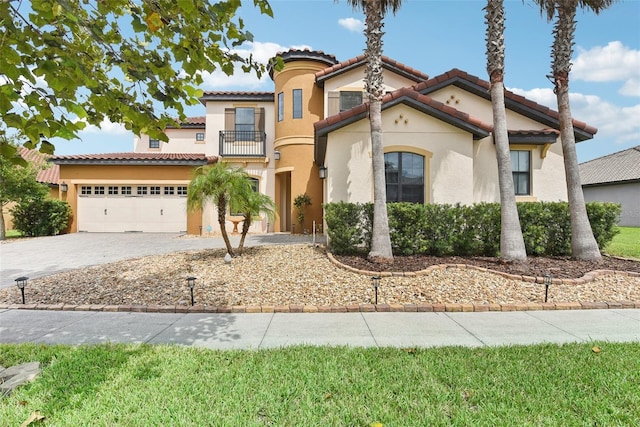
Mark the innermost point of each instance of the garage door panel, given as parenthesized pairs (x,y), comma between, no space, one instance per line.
(121,213)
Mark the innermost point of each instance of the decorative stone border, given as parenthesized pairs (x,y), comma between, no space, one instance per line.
(589,277)
(362,308)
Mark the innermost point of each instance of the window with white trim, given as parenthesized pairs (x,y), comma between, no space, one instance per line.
(98,189)
(182,190)
(113,190)
(169,191)
(125,190)
(154,190)
(142,191)
(85,190)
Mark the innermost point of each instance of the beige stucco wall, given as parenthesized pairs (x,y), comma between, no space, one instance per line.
(354,80)
(180,141)
(457,168)
(548,182)
(448,155)
(480,108)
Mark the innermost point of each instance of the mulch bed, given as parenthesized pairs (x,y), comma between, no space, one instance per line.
(561,268)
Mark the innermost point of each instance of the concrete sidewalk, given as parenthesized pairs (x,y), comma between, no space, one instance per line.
(269,330)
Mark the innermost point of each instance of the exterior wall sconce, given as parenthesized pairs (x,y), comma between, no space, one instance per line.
(276,155)
(191,281)
(323,172)
(64,187)
(21,282)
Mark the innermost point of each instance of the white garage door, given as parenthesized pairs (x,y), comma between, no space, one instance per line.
(120,208)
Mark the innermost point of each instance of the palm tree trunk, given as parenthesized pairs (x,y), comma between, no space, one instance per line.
(3,231)
(583,244)
(380,239)
(511,241)
(222,221)
(245,229)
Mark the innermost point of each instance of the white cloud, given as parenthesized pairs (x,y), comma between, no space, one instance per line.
(106,127)
(262,52)
(352,24)
(614,123)
(613,62)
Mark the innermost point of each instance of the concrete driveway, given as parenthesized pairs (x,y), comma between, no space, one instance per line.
(44,256)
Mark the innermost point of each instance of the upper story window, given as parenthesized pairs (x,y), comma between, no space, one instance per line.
(245,120)
(297,103)
(200,136)
(281,106)
(521,170)
(404,175)
(350,99)
(154,143)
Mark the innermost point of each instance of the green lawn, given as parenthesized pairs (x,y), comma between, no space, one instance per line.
(13,234)
(626,243)
(542,385)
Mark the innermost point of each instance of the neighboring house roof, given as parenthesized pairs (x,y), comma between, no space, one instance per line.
(513,102)
(623,166)
(360,60)
(47,173)
(193,159)
(236,96)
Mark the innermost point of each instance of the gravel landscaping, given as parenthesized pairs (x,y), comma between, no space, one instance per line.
(304,275)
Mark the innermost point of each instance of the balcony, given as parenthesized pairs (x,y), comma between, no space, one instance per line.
(242,143)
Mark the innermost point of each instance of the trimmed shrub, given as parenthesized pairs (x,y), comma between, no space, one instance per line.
(345,227)
(464,230)
(41,217)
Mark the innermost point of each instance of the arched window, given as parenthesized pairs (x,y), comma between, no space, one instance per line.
(404,175)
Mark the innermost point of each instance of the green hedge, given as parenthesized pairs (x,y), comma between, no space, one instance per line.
(463,230)
(41,217)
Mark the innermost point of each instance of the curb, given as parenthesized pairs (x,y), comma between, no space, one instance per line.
(357,308)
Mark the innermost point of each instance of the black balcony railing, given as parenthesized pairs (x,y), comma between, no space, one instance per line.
(242,143)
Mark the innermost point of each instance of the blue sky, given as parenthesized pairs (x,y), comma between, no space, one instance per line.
(435,36)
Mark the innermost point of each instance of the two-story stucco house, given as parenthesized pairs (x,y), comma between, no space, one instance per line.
(311,135)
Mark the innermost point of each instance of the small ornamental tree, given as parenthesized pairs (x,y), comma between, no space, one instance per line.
(17,180)
(301,202)
(69,63)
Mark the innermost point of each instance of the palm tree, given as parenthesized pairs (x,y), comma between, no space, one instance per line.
(218,184)
(374,11)
(251,203)
(583,244)
(511,240)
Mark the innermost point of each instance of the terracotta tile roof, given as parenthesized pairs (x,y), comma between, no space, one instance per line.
(617,167)
(421,102)
(513,102)
(302,55)
(192,123)
(360,60)
(135,158)
(236,96)
(49,174)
